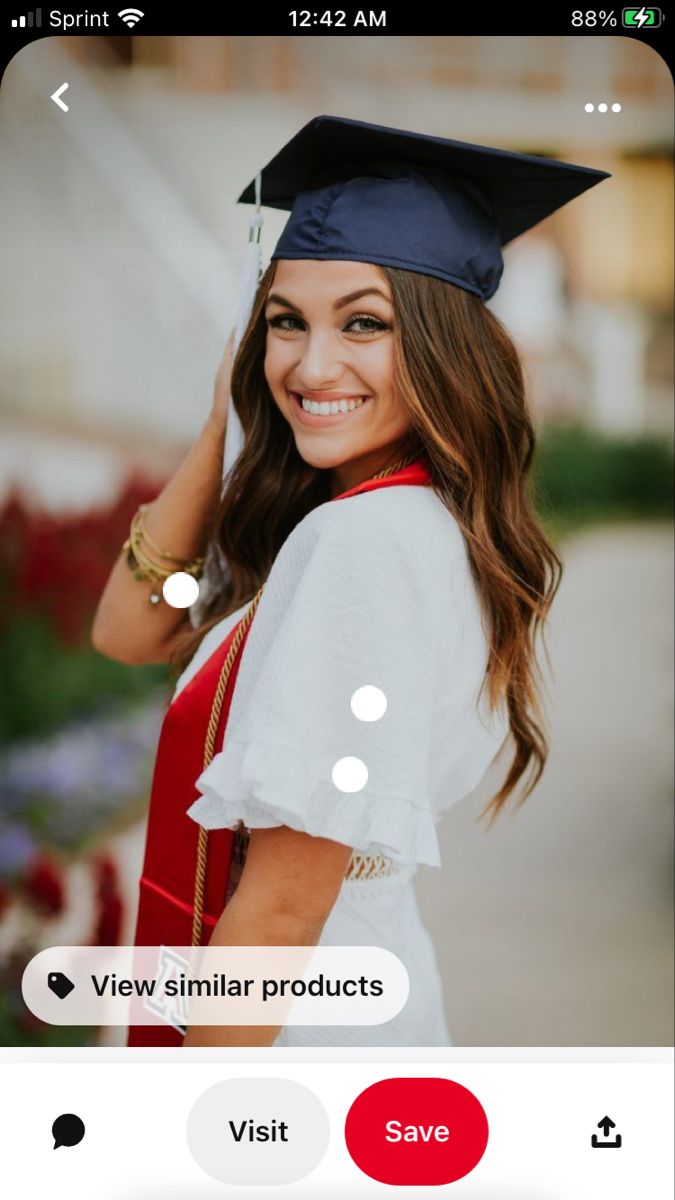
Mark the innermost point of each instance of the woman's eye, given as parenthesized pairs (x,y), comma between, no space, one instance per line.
(374,326)
(276,322)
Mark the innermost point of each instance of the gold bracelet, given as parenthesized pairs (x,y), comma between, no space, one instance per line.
(138,532)
(144,567)
(154,569)
(139,519)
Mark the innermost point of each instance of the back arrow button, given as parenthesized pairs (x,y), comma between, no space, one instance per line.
(56,97)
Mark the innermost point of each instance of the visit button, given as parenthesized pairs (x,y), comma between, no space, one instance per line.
(416,1131)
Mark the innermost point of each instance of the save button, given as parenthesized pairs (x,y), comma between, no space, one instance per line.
(416,1131)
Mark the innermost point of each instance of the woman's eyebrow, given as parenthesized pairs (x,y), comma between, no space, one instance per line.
(275,298)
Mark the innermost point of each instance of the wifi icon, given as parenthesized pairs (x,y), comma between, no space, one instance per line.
(131,16)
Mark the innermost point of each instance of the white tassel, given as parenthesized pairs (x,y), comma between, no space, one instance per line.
(250,278)
(216,568)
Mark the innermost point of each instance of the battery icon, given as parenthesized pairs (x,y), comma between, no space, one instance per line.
(641,18)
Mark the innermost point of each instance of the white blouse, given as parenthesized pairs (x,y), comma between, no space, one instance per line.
(376,589)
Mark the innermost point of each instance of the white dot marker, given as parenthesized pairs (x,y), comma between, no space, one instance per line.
(180,590)
(616,108)
(368,703)
(349,774)
(602,108)
(589,107)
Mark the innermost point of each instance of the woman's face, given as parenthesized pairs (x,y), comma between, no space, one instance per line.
(333,345)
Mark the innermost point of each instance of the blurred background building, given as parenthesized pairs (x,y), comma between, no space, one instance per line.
(121,246)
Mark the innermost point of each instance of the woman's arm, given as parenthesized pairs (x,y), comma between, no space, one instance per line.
(126,626)
(287,889)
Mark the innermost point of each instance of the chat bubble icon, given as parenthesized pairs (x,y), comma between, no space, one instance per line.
(67,1130)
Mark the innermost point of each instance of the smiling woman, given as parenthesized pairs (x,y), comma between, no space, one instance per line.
(385,542)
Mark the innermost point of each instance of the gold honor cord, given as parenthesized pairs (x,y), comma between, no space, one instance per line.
(361,865)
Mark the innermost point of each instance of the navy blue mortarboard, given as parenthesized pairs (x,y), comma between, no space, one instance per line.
(369,193)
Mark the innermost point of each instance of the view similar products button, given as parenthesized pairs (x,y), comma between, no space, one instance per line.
(416,1131)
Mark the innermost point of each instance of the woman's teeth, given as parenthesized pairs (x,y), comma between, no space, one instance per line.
(326,408)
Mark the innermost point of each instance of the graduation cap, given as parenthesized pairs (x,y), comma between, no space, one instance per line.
(369,193)
(434,205)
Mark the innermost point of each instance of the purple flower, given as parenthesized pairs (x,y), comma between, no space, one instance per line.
(17,850)
(70,787)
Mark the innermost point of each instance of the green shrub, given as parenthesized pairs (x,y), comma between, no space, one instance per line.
(579,474)
(45,683)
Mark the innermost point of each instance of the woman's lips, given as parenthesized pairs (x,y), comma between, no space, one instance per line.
(330,419)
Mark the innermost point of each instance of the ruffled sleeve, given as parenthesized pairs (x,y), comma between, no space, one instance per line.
(346,606)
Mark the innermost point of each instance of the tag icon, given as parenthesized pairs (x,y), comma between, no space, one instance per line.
(59,984)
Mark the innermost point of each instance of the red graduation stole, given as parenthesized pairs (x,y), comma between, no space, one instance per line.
(167,883)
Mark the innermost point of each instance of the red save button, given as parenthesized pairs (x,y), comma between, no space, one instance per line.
(416,1131)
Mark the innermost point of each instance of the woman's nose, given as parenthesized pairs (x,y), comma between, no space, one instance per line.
(320,365)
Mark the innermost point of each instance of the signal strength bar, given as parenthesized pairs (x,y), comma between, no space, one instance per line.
(27,22)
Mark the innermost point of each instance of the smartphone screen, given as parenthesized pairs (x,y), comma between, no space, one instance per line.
(336,655)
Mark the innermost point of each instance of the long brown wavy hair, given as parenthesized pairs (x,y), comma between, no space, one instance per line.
(461,378)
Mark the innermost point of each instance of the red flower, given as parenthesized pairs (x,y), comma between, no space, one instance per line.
(58,565)
(109,922)
(43,886)
(110,908)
